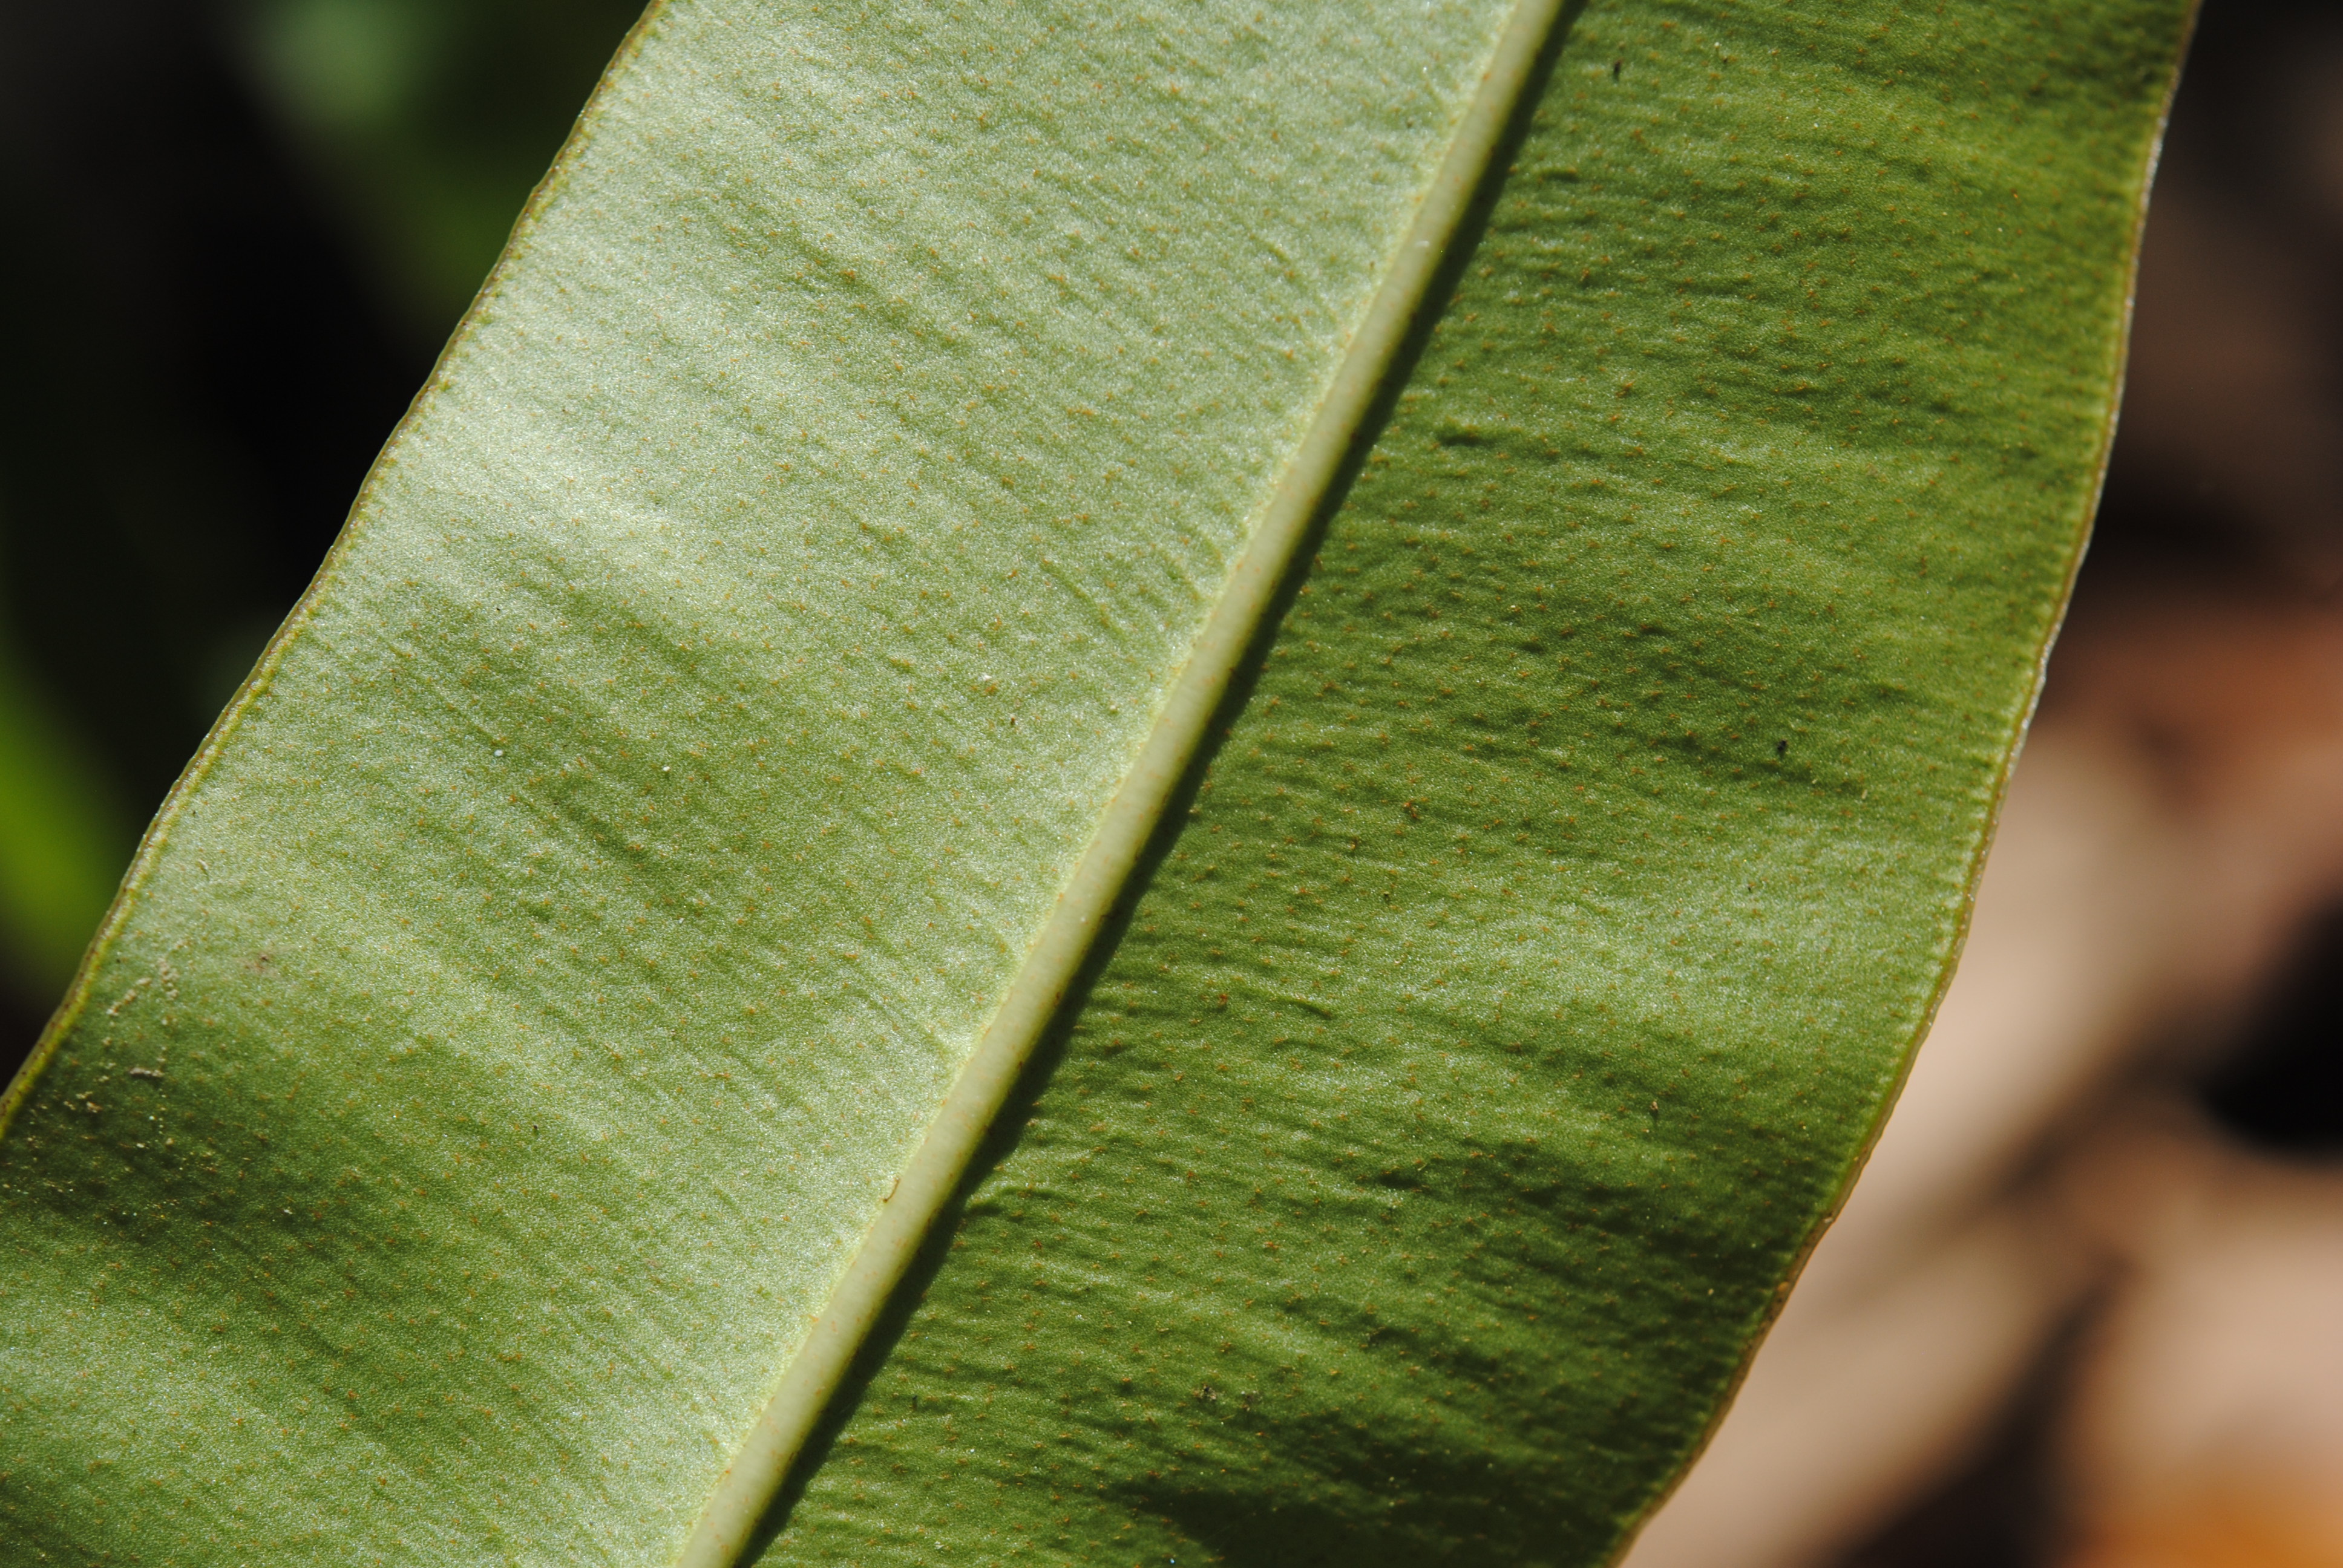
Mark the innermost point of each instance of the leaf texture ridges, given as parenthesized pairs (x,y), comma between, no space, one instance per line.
(523,1012)
(933,1174)
(1552,929)
(578,920)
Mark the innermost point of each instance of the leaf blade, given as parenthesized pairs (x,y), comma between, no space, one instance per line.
(1323,1116)
(492,847)
(582,1225)
(1133,816)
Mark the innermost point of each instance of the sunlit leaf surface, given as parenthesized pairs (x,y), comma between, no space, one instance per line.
(533,996)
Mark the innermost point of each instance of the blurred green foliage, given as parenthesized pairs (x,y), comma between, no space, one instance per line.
(64,836)
(431,120)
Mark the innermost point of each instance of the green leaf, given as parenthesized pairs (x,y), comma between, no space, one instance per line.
(810,732)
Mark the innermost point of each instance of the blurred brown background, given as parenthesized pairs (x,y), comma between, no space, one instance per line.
(2086,1308)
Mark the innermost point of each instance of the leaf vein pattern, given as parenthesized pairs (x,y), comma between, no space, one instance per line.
(756,1474)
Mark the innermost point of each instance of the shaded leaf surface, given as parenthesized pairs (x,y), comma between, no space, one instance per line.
(516,1022)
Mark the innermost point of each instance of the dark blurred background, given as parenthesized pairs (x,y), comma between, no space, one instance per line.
(2087,1307)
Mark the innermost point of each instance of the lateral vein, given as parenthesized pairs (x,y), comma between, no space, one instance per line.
(755,1475)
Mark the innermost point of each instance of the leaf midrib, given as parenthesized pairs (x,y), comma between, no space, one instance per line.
(754,1475)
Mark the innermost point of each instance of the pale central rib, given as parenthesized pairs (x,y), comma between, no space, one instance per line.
(927,1182)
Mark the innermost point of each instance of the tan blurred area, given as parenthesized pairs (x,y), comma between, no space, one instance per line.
(2085,1308)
